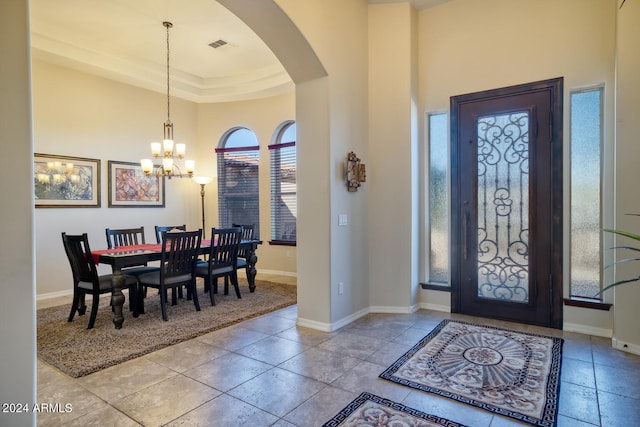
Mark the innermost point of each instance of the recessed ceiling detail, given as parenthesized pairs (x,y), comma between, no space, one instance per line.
(122,40)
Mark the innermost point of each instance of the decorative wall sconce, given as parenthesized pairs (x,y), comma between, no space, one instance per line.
(355,172)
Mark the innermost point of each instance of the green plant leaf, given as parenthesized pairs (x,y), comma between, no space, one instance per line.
(613,285)
(623,233)
(621,261)
(631,248)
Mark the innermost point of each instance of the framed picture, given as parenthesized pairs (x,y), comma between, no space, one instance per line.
(66,182)
(129,187)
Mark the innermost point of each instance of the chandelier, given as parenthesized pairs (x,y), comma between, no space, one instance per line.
(168,151)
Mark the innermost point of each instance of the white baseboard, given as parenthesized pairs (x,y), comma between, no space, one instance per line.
(276,272)
(587,330)
(435,307)
(625,346)
(393,310)
(50,295)
(330,327)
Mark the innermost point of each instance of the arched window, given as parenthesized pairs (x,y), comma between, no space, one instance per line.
(283,185)
(238,189)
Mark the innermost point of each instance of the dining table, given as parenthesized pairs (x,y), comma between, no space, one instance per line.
(123,256)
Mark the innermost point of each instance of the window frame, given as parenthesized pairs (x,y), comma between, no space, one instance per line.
(224,197)
(427,244)
(276,182)
(576,300)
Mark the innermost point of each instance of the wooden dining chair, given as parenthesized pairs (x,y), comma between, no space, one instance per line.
(163,228)
(248,231)
(87,281)
(124,237)
(129,237)
(223,256)
(177,268)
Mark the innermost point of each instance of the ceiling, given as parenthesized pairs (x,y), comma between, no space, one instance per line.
(125,40)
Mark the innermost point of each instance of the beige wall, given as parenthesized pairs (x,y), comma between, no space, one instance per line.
(106,120)
(393,150)
(332,121)
(463,49)
(17,306)
(626,331)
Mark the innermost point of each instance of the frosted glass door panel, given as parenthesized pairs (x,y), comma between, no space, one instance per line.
(503,207)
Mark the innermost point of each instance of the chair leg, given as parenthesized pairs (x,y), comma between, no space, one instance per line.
(174,298)
(142,293)
(74,304)
(163,303)
(82,305)
(194,293)
(211,297)
(234,282)
(226,285)
(134,298)
(94,310)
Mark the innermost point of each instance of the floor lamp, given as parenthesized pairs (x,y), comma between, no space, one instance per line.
(202,180)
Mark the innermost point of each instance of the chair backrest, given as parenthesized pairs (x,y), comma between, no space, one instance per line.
(224,246)
(80,258)
(247,234)
(179,253)
(162,228)
(124,237)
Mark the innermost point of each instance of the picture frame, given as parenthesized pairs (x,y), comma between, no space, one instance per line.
(66,181)
(130,187)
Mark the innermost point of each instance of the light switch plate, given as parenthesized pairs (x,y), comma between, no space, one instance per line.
(342,220)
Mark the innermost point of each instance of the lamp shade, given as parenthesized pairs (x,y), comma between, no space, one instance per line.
(202,180)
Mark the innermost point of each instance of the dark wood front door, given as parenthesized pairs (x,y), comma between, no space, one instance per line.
(507,203)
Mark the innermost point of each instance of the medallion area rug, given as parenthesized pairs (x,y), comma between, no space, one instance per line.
(371,410)
(510,373)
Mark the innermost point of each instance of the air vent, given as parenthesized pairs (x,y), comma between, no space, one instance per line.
(218,43)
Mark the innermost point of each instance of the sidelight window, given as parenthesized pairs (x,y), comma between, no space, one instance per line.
(586,179)
(438,201)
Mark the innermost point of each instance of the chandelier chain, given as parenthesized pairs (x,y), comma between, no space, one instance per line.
(167,150)
(167,26)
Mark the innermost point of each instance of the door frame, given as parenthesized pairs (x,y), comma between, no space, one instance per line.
(555,87)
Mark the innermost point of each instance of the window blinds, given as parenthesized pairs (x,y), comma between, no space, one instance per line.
(238,186)
(283,192)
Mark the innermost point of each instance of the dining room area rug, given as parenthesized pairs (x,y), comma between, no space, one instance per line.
(371,410)
(78,351)
(510,373)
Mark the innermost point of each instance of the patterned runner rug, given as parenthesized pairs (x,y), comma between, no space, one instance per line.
(371,410)
(510,373)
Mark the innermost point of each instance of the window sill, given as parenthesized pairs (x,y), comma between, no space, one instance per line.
(587,303)
(433,287)
(282,243)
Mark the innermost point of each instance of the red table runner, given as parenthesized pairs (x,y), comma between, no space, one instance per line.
(147,247)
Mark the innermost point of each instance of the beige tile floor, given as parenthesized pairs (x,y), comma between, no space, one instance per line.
(269,372)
